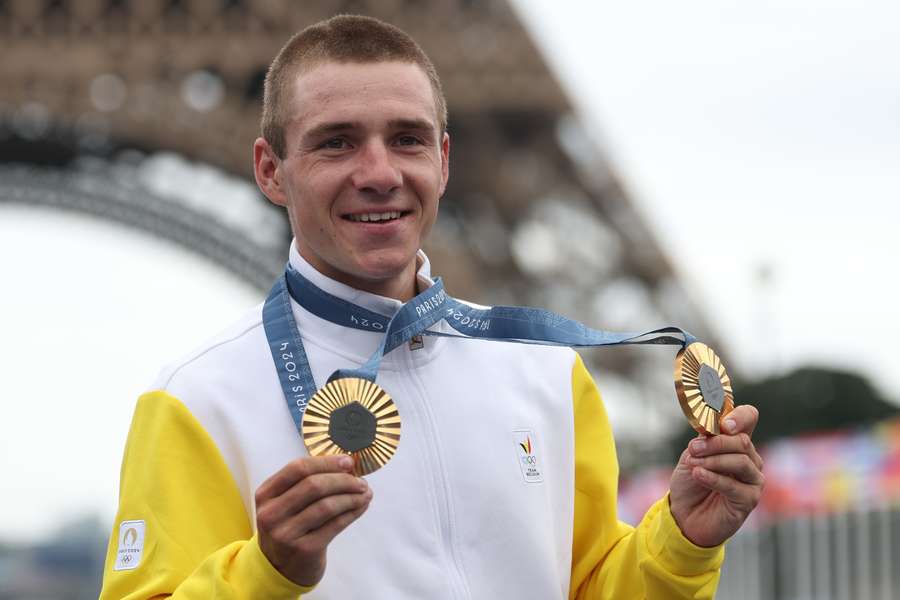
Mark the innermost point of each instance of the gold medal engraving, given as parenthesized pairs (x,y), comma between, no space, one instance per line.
(352,416)
(703,387)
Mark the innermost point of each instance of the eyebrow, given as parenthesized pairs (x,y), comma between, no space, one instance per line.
(417,124)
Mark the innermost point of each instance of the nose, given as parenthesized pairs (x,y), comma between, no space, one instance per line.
(375,172)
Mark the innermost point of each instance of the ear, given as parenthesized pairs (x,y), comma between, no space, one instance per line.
(445,161)
(267,171)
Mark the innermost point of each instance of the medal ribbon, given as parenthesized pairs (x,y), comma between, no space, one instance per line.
(499,323)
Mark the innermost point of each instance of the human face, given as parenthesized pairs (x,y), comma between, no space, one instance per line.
(364,169)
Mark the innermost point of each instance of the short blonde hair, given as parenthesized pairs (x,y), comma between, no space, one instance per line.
(344,38)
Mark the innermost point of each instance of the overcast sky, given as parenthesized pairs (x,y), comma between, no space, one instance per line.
(750,135)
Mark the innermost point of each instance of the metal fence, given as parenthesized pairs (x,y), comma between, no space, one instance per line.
(844,556)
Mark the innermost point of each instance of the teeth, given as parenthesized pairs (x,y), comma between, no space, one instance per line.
(385,216)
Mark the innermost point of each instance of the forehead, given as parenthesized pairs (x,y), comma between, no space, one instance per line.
(361,92)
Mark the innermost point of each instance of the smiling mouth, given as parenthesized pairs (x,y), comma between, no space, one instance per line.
(376,217)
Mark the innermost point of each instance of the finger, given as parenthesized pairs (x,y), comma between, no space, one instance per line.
(725,444)
(685,455)
(321,512)
(739,466)
(329,530)
(306,492)
(739,493)
(742,419)
(299,469)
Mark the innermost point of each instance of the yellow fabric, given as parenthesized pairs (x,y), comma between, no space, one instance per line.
(612,560)
(198,540)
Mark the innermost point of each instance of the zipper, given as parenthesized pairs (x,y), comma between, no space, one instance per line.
(439,477)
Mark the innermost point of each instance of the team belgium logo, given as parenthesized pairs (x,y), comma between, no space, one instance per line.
(528,455)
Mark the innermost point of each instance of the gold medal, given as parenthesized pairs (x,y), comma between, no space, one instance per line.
(703,387)
(352,416)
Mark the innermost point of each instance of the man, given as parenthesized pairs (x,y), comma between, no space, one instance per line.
(219,496)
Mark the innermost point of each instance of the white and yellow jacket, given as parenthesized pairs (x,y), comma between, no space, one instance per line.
(503,486)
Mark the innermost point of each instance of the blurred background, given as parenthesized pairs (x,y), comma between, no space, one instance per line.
(728,167)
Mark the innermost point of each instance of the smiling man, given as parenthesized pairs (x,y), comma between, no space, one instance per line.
(504,483)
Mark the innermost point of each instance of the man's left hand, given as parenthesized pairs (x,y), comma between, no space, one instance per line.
(718,480)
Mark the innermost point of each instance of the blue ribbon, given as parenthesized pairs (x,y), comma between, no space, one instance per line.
(499,323)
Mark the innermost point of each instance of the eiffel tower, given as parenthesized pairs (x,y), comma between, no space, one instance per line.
(99,99)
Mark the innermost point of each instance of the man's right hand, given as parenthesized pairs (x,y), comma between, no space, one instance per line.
(302,507)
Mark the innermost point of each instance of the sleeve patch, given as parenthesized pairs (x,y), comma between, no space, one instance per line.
(131,545)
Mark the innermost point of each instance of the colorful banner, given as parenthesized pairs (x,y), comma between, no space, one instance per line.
(821,473)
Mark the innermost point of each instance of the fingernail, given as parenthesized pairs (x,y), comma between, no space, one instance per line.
(363,484)
(346,462)
(698,445)
(695,461)
(730,424)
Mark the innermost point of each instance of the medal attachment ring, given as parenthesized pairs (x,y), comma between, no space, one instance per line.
(703,387)
(352,416)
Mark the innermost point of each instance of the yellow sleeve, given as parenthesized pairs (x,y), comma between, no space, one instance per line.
(610,559)
(197,538)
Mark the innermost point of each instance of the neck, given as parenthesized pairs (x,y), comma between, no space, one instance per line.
(401,286)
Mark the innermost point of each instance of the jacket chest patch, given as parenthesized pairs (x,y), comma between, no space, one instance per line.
(526,444)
